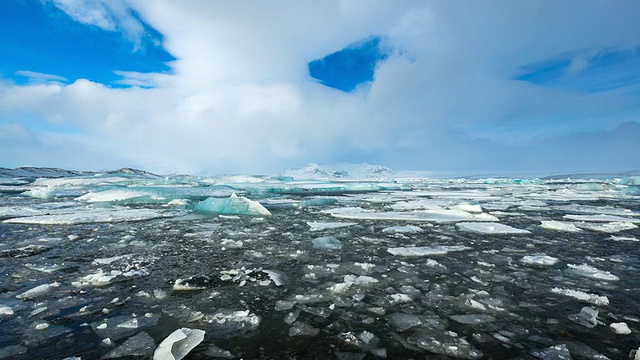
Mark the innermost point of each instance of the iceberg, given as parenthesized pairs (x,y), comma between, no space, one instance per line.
(120,195)
(233,205)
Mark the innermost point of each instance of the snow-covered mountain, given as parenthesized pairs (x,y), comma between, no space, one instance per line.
(342,171)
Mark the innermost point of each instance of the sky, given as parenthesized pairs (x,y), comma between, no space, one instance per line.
(212,86)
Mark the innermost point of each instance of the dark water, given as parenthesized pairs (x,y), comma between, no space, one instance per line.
(519,313)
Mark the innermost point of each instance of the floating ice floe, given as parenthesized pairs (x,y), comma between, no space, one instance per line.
(140,345)
(233,205)
(601,218)
(327,242)
(559,226)
(88,216)
(623,238)
(581,295)
(437,216)
(102,278)
(411,229)
(555,352)
(352,280)
(178,344)
(321,226)
(490,228)
(591,272)
(609,228)
(446,343)
(587,317)
(121,195)
(539,260)
(426,250)
(37,291)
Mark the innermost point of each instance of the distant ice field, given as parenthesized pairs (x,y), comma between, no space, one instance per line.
(133,265)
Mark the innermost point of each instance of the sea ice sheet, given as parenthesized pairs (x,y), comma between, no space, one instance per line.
(88,216)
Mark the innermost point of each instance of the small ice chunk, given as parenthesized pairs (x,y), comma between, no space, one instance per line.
(404,322)
(37,291)
(446,343)
(490,228)
(234,205)
(6,310)
(470,319)
(426,250)
(412,229)
(42,326)
(623,238)
(327,242)
(320,226)
(140,345)
(601,218)
(592,272)
(193,283)
(620,328)
(609,228)
(555,352)
(559,226)
(300,328)
(581,295)
(217,352)
(178,344)
(539,260)
(586,317)
(278,277)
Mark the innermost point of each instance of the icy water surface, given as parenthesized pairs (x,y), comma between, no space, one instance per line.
(110,266)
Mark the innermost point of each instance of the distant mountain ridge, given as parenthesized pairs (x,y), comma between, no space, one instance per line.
(345,171)
(45,172)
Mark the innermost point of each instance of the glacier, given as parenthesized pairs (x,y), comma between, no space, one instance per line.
(335,263)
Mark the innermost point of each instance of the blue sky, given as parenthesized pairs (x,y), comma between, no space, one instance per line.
(212,87)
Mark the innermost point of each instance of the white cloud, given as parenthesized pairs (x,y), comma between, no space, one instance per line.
(110,15)
(37,77)
(240,98)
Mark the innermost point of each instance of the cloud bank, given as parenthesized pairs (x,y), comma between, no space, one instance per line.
(240,98)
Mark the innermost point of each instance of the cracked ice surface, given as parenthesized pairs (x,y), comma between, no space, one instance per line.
(111,266)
